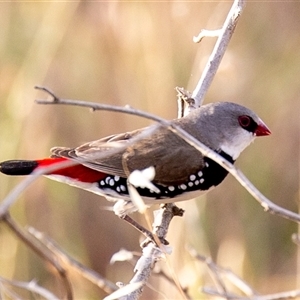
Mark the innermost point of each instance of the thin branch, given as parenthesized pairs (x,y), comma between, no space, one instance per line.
(214,270)
(218,52)
(151,253)
(161,273)
(163,218)
(218,273)
(44,254)
(143,268)
(294,294)
(5,291)
(206,33)
(96,106)
(185,102)
(67,260)
(31,286)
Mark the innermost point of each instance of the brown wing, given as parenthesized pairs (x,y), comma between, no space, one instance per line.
(174,160)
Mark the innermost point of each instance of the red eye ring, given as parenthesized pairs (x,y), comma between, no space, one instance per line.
(244,121)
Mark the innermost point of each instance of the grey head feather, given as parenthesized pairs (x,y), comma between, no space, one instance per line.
(216,124)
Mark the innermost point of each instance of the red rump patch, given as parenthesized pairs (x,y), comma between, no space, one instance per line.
(77,172)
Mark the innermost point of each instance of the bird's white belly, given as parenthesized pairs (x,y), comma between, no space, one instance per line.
(112,195)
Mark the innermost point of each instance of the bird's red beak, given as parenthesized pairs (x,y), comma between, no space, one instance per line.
(262,129)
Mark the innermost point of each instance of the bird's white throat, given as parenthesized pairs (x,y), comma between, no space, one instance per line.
(235,147)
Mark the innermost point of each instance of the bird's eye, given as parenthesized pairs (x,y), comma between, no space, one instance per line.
(244,121)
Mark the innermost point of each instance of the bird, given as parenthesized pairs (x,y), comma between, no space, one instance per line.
(181,172)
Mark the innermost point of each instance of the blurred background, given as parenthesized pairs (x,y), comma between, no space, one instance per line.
(136,53)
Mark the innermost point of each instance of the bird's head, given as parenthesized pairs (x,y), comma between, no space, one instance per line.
(226,126)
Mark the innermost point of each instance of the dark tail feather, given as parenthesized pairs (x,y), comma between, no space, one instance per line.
(18,167)
(26,167)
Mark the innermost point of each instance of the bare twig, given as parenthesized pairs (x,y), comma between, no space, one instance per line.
(163,218)
(44,254)
(218,52)
(8,292)
(185,102)
(140,228)
(143,268)
(132,291)
(152,250)
(85,272)
(278,296)
(218,273)
(151,253)
(96,106)
(214,271)
(31,286)
(206,33)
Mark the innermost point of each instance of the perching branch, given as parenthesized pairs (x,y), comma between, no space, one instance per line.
(151,253)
